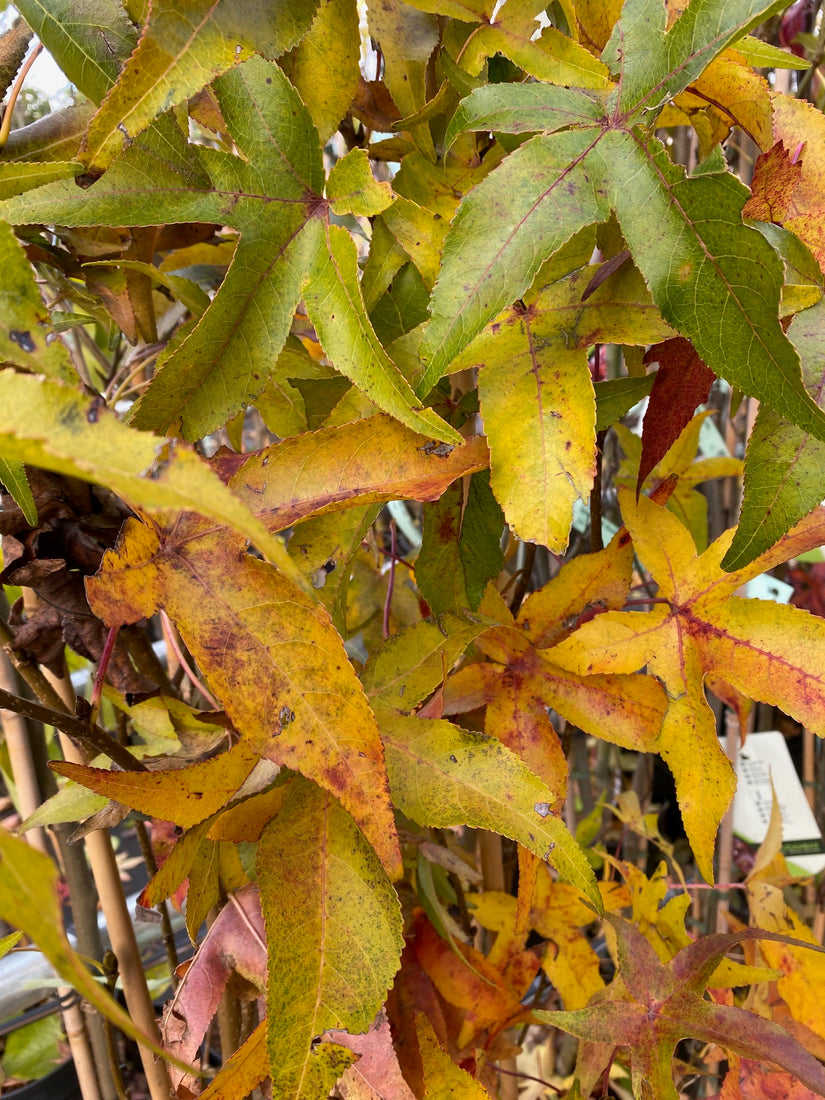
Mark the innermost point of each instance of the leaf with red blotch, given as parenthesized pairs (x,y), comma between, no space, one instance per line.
(682,383)
(748,1079)
(235,944)
(651,1005)
(376,1075)
(775,179)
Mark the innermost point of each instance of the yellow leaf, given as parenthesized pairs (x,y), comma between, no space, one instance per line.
(185,796)
(324,65)
(533,371)
(249,818)
(588,583)
(268,652)
(739,96)
(244,1070)
(56,427)
(443,1079)
(804,971)
(769,651)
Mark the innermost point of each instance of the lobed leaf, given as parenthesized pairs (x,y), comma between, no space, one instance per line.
(181,50)
(268,652)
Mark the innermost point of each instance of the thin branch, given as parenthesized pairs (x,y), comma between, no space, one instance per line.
(391,581)
(5,126)
(87,733)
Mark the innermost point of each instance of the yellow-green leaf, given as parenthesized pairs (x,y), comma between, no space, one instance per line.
(43,423)
(334,929)
(442,775)
(26,335)
(29,901)
(352,188)
(182,49)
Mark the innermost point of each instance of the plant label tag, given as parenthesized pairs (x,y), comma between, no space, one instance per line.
(764,757)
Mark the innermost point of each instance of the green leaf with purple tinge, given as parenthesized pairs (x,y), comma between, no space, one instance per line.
(654,1005)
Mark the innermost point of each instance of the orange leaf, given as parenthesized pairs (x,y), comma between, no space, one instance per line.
(366,462)
(269,653)
(798,123)
(775,180)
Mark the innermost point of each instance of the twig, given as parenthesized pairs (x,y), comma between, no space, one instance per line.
(5,126)
(525,574)
(391,580)
(173,639)
(596,540)
(88,734)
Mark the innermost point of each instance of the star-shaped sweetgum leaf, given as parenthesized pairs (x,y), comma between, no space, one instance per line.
(697,628)
(273,194)
(652,1005)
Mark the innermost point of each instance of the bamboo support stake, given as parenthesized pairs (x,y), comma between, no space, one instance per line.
(57,692)
(28,798)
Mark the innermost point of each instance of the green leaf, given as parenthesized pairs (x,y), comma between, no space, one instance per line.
(617,397)
(89,39)
(26,336)
(785,467)
(13,476)
(402,308)
(33,1050)
(335,307)
(275,197)
(403,671)
(655,66)
(334,930)
(461,546)
(16,178)
(523,109)
(441,776)
(504,230)
(181,50)
(713,278)
(762,55)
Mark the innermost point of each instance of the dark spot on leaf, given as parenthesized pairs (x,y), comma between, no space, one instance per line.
(441,450)
(454,759)
(23,340)
(269,80)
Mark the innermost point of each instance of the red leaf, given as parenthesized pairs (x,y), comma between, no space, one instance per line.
(682,383)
